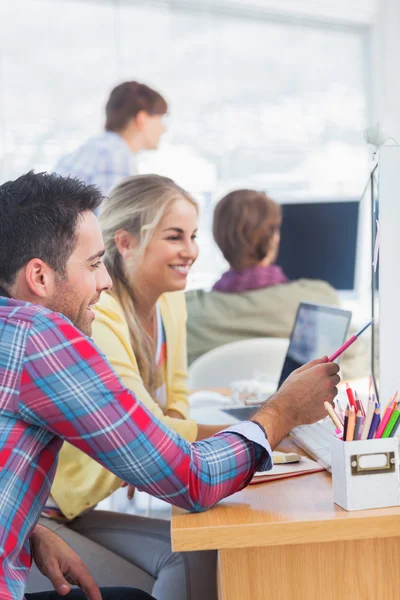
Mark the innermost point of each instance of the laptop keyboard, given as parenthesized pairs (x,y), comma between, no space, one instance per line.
(316,440)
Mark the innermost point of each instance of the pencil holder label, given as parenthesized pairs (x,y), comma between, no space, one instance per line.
(371,464)
(365,474)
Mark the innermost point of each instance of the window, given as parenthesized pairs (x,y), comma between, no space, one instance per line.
(255,102)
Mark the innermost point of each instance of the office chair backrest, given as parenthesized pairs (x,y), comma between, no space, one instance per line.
(244,359)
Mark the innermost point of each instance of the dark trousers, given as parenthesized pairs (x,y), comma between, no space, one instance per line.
(112,593)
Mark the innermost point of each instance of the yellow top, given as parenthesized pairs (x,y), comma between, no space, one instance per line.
(81,482)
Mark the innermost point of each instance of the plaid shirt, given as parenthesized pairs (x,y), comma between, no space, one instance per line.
(102,161)
(55,385)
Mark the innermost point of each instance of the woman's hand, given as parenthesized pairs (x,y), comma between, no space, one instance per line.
(174,414)
(130,491)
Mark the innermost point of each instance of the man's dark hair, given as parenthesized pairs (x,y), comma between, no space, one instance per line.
(39,214)
(127,100)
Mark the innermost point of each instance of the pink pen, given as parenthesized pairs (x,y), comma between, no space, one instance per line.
(349,342)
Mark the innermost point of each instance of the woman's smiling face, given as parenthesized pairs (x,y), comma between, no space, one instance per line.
(172,250)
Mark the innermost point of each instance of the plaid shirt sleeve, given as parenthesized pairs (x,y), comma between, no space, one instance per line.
(69,388)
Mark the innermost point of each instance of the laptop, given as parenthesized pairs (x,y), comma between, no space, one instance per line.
(318,330)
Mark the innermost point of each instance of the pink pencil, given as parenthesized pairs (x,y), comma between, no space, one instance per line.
(386,417)
(349,342)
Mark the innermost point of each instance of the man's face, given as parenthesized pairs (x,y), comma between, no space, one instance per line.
(153,128)
(85,278)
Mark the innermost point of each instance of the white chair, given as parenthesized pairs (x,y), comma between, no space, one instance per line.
(245,359)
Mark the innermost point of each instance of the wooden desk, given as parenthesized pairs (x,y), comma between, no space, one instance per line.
(286,540)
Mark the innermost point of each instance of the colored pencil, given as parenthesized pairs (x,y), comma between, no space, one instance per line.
(350,341)
(351,425)
(386,417)
(375,423)
(395,428)
(346,421)
(358,425)
(392,422)
(358,399)
(339,413)
(335,419)
(368,419)
(350,396)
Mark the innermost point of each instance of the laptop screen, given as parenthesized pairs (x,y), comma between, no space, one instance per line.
(317,330)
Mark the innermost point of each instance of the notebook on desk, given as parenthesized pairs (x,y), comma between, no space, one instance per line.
(284,471)
(317,330)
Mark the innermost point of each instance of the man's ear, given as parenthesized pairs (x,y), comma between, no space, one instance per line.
(141,120)
(40,278)
(125,242)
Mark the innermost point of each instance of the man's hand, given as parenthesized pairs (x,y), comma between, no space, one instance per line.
(300,399)
(57,561)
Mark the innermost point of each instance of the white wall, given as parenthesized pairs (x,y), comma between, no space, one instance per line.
(385,61)
(265,94)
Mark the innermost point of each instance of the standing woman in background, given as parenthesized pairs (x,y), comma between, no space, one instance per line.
(149,227)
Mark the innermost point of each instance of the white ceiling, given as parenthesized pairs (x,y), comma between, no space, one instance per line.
(348,12)
(341,12)
(355,11)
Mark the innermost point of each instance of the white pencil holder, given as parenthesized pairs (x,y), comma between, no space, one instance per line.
(365,473)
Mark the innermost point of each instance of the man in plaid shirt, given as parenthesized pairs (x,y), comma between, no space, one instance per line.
(56,385)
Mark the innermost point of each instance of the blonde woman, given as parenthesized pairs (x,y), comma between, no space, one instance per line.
(149,227)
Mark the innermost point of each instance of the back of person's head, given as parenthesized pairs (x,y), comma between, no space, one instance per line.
(245,226)
(39,214)
(127,100)
(136,205)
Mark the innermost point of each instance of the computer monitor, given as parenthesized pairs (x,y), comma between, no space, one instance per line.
(319,241)
(374,209)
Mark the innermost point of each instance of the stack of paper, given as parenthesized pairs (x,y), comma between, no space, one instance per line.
(283,471)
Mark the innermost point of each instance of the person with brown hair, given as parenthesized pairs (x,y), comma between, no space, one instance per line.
(134,122)
(254,298)
(246,228)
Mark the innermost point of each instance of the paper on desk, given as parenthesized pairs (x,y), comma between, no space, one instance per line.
(306,465)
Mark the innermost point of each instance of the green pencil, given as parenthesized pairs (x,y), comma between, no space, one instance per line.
(392,422)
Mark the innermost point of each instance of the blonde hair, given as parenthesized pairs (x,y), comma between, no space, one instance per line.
(136,205)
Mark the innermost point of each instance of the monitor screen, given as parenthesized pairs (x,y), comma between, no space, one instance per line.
(318,330)
(319,241)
